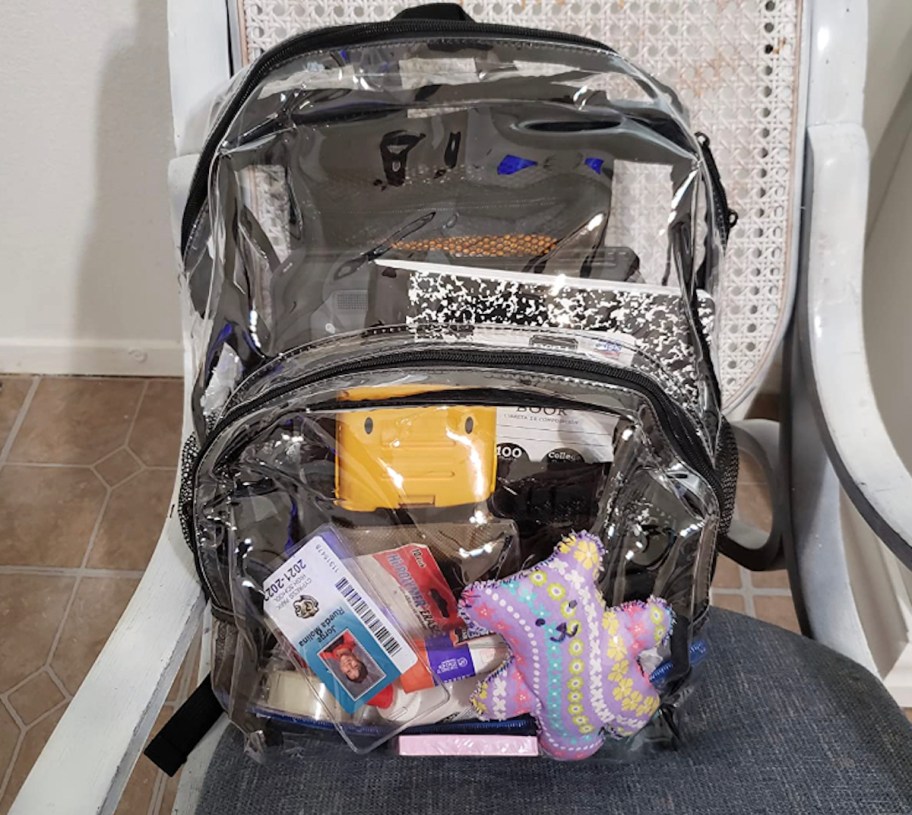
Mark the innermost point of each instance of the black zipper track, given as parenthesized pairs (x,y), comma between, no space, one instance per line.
(726,218)
(337,37)
(671,416)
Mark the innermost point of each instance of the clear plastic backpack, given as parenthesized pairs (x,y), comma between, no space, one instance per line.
(459,464)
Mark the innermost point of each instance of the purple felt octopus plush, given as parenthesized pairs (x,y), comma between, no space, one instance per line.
(574,662)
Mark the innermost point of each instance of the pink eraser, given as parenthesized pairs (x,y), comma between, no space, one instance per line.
(451,745)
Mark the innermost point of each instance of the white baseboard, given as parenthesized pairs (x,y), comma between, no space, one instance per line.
(92,357)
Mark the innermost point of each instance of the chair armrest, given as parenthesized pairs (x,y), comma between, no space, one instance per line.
(830,330)
(89,757)
(831,338)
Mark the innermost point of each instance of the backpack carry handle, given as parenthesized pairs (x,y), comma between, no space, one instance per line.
(435,11)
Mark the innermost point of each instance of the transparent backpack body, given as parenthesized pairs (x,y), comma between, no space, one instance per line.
(452,290)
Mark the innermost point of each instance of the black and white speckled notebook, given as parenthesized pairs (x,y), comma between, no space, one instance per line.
(652,321)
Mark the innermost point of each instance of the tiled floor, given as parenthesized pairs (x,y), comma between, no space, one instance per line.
(86,469)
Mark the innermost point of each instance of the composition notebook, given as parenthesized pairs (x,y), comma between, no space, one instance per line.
(627,319)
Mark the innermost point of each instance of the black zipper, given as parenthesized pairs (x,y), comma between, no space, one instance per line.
(672,417)
(674,420)
(726,218)
(337,37)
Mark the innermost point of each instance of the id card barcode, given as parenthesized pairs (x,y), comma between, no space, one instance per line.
(387,641)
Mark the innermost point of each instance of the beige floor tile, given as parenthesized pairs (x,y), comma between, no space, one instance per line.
(145,775)
(156,435)
(13,390)
(778,611)
(170,793)
(9,735)
(749,470)
(765,406)
(77,421)
(36,697)
(777,579)
(133,521)
(32,744)
(96,609)
(47,514)
(116,467)
(174,692)
(194,657)
(733,602)
(728,574)
(137,795)
(31,609)
(752,506)
(140,787)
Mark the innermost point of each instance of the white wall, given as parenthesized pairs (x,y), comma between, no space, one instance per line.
(87,269)
(887,292)
(888,306)
(889,63)
(888,93)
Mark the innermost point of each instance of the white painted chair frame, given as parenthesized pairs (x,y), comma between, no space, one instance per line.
(86,763)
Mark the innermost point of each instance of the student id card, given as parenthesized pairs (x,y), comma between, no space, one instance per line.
(346,638)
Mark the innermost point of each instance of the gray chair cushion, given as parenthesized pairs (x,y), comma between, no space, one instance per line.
(777,724)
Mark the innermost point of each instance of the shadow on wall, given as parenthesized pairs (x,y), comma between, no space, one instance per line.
(887,284)
(127,275)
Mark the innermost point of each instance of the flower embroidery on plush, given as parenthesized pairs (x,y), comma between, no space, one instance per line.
(563,636)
